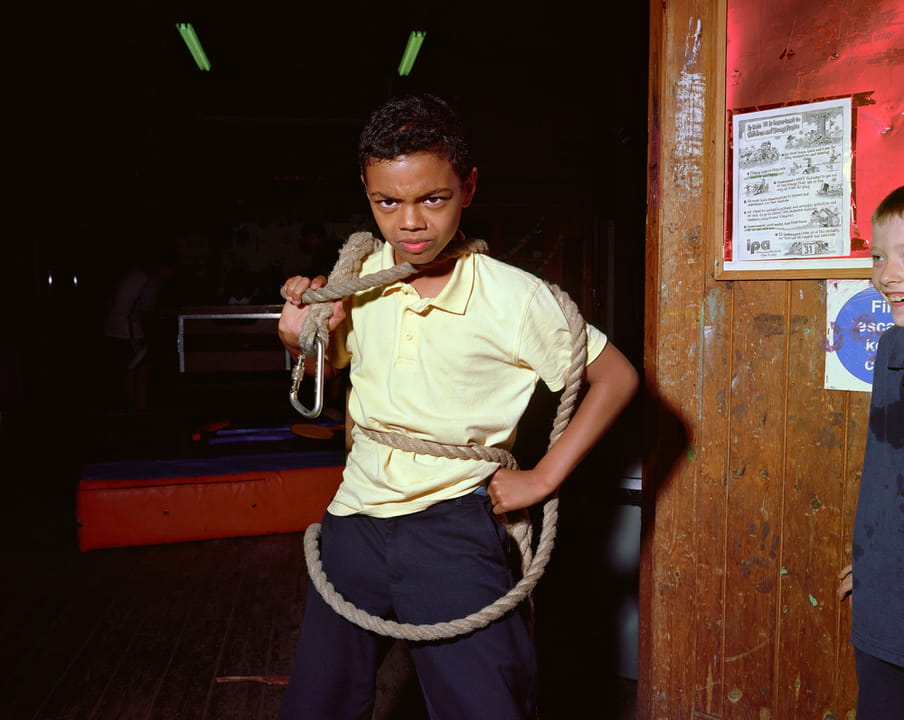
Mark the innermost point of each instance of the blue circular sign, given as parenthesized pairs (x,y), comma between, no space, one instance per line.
(858,326)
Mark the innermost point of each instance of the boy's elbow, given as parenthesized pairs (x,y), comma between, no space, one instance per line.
(629,381)
(615,370)
(634,380)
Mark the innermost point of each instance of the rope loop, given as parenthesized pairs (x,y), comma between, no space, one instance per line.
(344,281)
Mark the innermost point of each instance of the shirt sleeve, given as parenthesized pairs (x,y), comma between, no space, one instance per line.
(545,342)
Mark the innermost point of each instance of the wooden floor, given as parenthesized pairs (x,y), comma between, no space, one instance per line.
(156,632)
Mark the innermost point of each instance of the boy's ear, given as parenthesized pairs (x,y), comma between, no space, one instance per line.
(469,187)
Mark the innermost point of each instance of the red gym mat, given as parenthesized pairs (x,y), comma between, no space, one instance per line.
(147,502)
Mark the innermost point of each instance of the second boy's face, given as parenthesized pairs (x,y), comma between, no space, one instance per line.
(417,202)
(888,265)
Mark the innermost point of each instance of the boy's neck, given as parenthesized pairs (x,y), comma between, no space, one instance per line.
(434,276)
(432,279)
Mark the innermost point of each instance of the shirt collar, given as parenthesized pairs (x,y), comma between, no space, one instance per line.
(454,296)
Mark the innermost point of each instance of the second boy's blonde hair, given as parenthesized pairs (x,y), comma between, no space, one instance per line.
(890,208)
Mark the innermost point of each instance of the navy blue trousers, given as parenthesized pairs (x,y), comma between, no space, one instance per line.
(881,688)
(440,564)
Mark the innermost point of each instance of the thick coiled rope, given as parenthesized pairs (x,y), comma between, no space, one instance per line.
(344,281)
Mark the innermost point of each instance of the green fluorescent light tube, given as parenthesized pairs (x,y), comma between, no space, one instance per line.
(194,45)
(415,40)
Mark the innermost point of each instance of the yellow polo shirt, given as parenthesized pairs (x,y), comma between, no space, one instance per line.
(457,369)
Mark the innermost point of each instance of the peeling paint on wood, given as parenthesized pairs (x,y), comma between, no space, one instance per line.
(690,91)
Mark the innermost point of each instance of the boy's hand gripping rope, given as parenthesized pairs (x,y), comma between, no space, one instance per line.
(314,337)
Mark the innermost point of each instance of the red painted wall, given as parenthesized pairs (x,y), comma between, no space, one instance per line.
(782,51)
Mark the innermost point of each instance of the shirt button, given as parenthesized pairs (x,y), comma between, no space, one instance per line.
(409,337)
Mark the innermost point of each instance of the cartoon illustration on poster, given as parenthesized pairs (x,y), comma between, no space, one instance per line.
(792,182)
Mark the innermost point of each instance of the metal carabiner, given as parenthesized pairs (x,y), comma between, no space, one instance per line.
(298,375)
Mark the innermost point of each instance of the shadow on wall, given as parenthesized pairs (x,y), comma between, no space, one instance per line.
(586,605)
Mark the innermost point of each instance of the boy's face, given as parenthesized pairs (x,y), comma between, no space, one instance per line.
(888,265)
(417,201)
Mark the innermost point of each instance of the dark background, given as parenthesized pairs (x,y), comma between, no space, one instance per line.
(117,141)
(117,144)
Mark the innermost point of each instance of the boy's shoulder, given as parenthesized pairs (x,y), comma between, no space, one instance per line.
(491,265)
(509,285)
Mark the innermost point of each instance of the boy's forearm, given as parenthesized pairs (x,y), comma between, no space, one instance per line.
(613,382)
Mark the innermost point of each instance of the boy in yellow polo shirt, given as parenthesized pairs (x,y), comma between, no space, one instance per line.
(450,355)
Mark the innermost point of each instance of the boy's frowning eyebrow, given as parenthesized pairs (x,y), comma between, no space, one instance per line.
(378,195)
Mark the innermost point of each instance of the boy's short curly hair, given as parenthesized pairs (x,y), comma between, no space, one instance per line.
(415,123)
(891,207)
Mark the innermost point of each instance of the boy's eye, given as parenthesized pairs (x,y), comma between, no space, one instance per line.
(433,200)
(387,203)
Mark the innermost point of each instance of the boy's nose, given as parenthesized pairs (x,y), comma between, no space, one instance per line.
(892,273)
(411,218)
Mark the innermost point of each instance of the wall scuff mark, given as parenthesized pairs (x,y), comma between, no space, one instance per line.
(690,93)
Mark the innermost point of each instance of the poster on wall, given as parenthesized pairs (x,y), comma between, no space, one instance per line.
(856,316)
(791,185)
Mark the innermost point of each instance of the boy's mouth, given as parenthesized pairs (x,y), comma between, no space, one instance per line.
(415,247)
